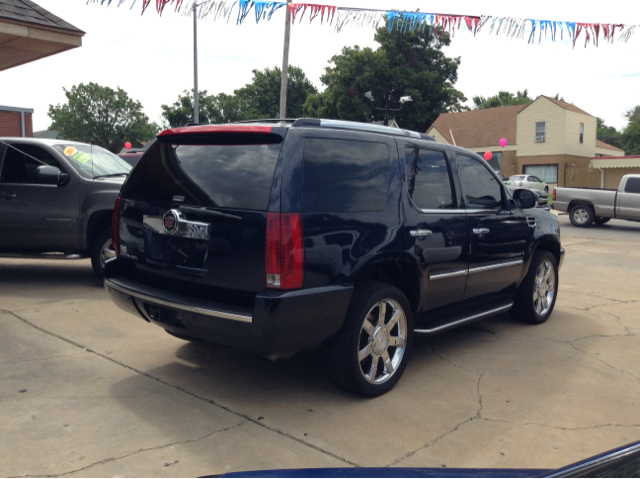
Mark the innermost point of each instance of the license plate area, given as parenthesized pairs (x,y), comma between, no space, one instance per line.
(177,251)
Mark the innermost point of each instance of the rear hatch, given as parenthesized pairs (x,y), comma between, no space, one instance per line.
(193,214)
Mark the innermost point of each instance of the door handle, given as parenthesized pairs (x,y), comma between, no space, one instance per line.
(7,196)
(480,231)
(420,233)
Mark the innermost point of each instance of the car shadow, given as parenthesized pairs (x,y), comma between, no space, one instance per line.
(47,280)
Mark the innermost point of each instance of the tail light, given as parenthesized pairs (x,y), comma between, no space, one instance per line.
(554,194)
(115,219)
(285,251)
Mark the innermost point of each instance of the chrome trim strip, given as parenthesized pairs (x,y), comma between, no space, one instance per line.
(445,212)
(468,319)
(462,272)
(148,296)
(507,264)
(420,233)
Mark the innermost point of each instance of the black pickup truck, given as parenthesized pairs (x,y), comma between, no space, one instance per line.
(57,198)
(280,237)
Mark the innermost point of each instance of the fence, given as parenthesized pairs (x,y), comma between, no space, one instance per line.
(581,177)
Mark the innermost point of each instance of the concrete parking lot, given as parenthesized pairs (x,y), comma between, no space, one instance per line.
(88,390)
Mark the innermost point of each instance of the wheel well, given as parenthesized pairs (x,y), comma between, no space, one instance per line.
(99,221)
(551,246)
(579,202)
(398,274)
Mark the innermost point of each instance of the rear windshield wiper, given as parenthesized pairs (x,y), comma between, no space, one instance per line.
(111,175)
(206,211)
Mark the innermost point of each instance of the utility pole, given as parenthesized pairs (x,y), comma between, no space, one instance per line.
(285,64)
(196,108)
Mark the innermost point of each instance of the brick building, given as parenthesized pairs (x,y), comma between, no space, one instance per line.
(16,121)
(544,138)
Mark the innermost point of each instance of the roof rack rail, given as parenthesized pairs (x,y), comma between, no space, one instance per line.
(269,120)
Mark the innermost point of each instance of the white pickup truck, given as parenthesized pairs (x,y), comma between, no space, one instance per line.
(593,205)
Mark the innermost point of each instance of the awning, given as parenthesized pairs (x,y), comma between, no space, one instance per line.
(29,32)
(632,162)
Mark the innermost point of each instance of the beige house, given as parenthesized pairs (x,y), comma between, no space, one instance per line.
(613,168)
(544,138)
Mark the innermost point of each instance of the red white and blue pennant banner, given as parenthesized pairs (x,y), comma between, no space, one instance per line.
(340,17)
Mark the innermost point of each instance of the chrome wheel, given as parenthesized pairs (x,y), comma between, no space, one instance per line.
(107,252)
(581,216)
(544,288)
(383,339)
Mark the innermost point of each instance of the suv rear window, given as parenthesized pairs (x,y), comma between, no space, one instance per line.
(235,173)
(344,176)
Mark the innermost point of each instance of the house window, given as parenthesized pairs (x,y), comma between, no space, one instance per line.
(541,129)
(547,173)
(581,132)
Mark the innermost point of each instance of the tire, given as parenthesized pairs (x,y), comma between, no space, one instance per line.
(546,189)
(391,339)
(533,304)
(582,216)
(101,250)
(601,221)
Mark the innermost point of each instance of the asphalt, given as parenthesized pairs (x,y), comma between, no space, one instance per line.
(87,390)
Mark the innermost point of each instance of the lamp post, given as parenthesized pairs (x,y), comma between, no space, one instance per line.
(285,64)
(196,107)
(386,109)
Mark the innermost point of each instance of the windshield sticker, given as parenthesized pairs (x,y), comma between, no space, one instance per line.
(70,151)
(81,157)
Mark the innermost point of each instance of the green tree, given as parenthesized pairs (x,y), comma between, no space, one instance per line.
(258,99)
(100,114)
(405,64)
(631,134)
(503,98)
(608,134)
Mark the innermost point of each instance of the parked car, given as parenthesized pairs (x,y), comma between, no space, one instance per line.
(594,205)
(133,155)
(57,198)
(343,236)
(528,181)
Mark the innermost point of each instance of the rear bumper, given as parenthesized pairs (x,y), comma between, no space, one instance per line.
(278,322)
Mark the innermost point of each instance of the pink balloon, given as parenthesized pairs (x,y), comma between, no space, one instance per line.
(503,142)
(488,155)
(127,145)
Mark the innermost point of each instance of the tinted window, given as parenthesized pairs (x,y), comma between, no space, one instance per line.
(481,189)
(341,176)
(20,168)
(428,179)
(632,186)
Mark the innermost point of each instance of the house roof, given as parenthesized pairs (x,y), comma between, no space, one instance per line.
(602,144)
(477,128)
(28,12)
(567,106)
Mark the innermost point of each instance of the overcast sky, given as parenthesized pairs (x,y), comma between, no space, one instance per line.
(151,57)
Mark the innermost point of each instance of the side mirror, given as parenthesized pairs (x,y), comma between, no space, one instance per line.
(48,175)
(525,199)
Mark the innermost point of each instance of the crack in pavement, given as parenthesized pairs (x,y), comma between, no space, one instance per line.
(603,361)
(477,416)
(129,454)
(179,388)
(560,428)
(594,295)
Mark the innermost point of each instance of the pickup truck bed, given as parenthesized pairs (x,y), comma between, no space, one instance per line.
(593,205)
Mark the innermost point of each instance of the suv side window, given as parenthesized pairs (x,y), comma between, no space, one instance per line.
(20,168)
(428,179)
(344,176)
(632,186)
(480,188)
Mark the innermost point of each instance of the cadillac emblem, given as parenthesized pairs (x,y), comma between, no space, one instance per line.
(170,221)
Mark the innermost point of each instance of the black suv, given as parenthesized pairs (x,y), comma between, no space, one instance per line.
(282,237)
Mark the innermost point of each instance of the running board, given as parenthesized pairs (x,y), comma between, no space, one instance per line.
(42,256)
(460,320)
